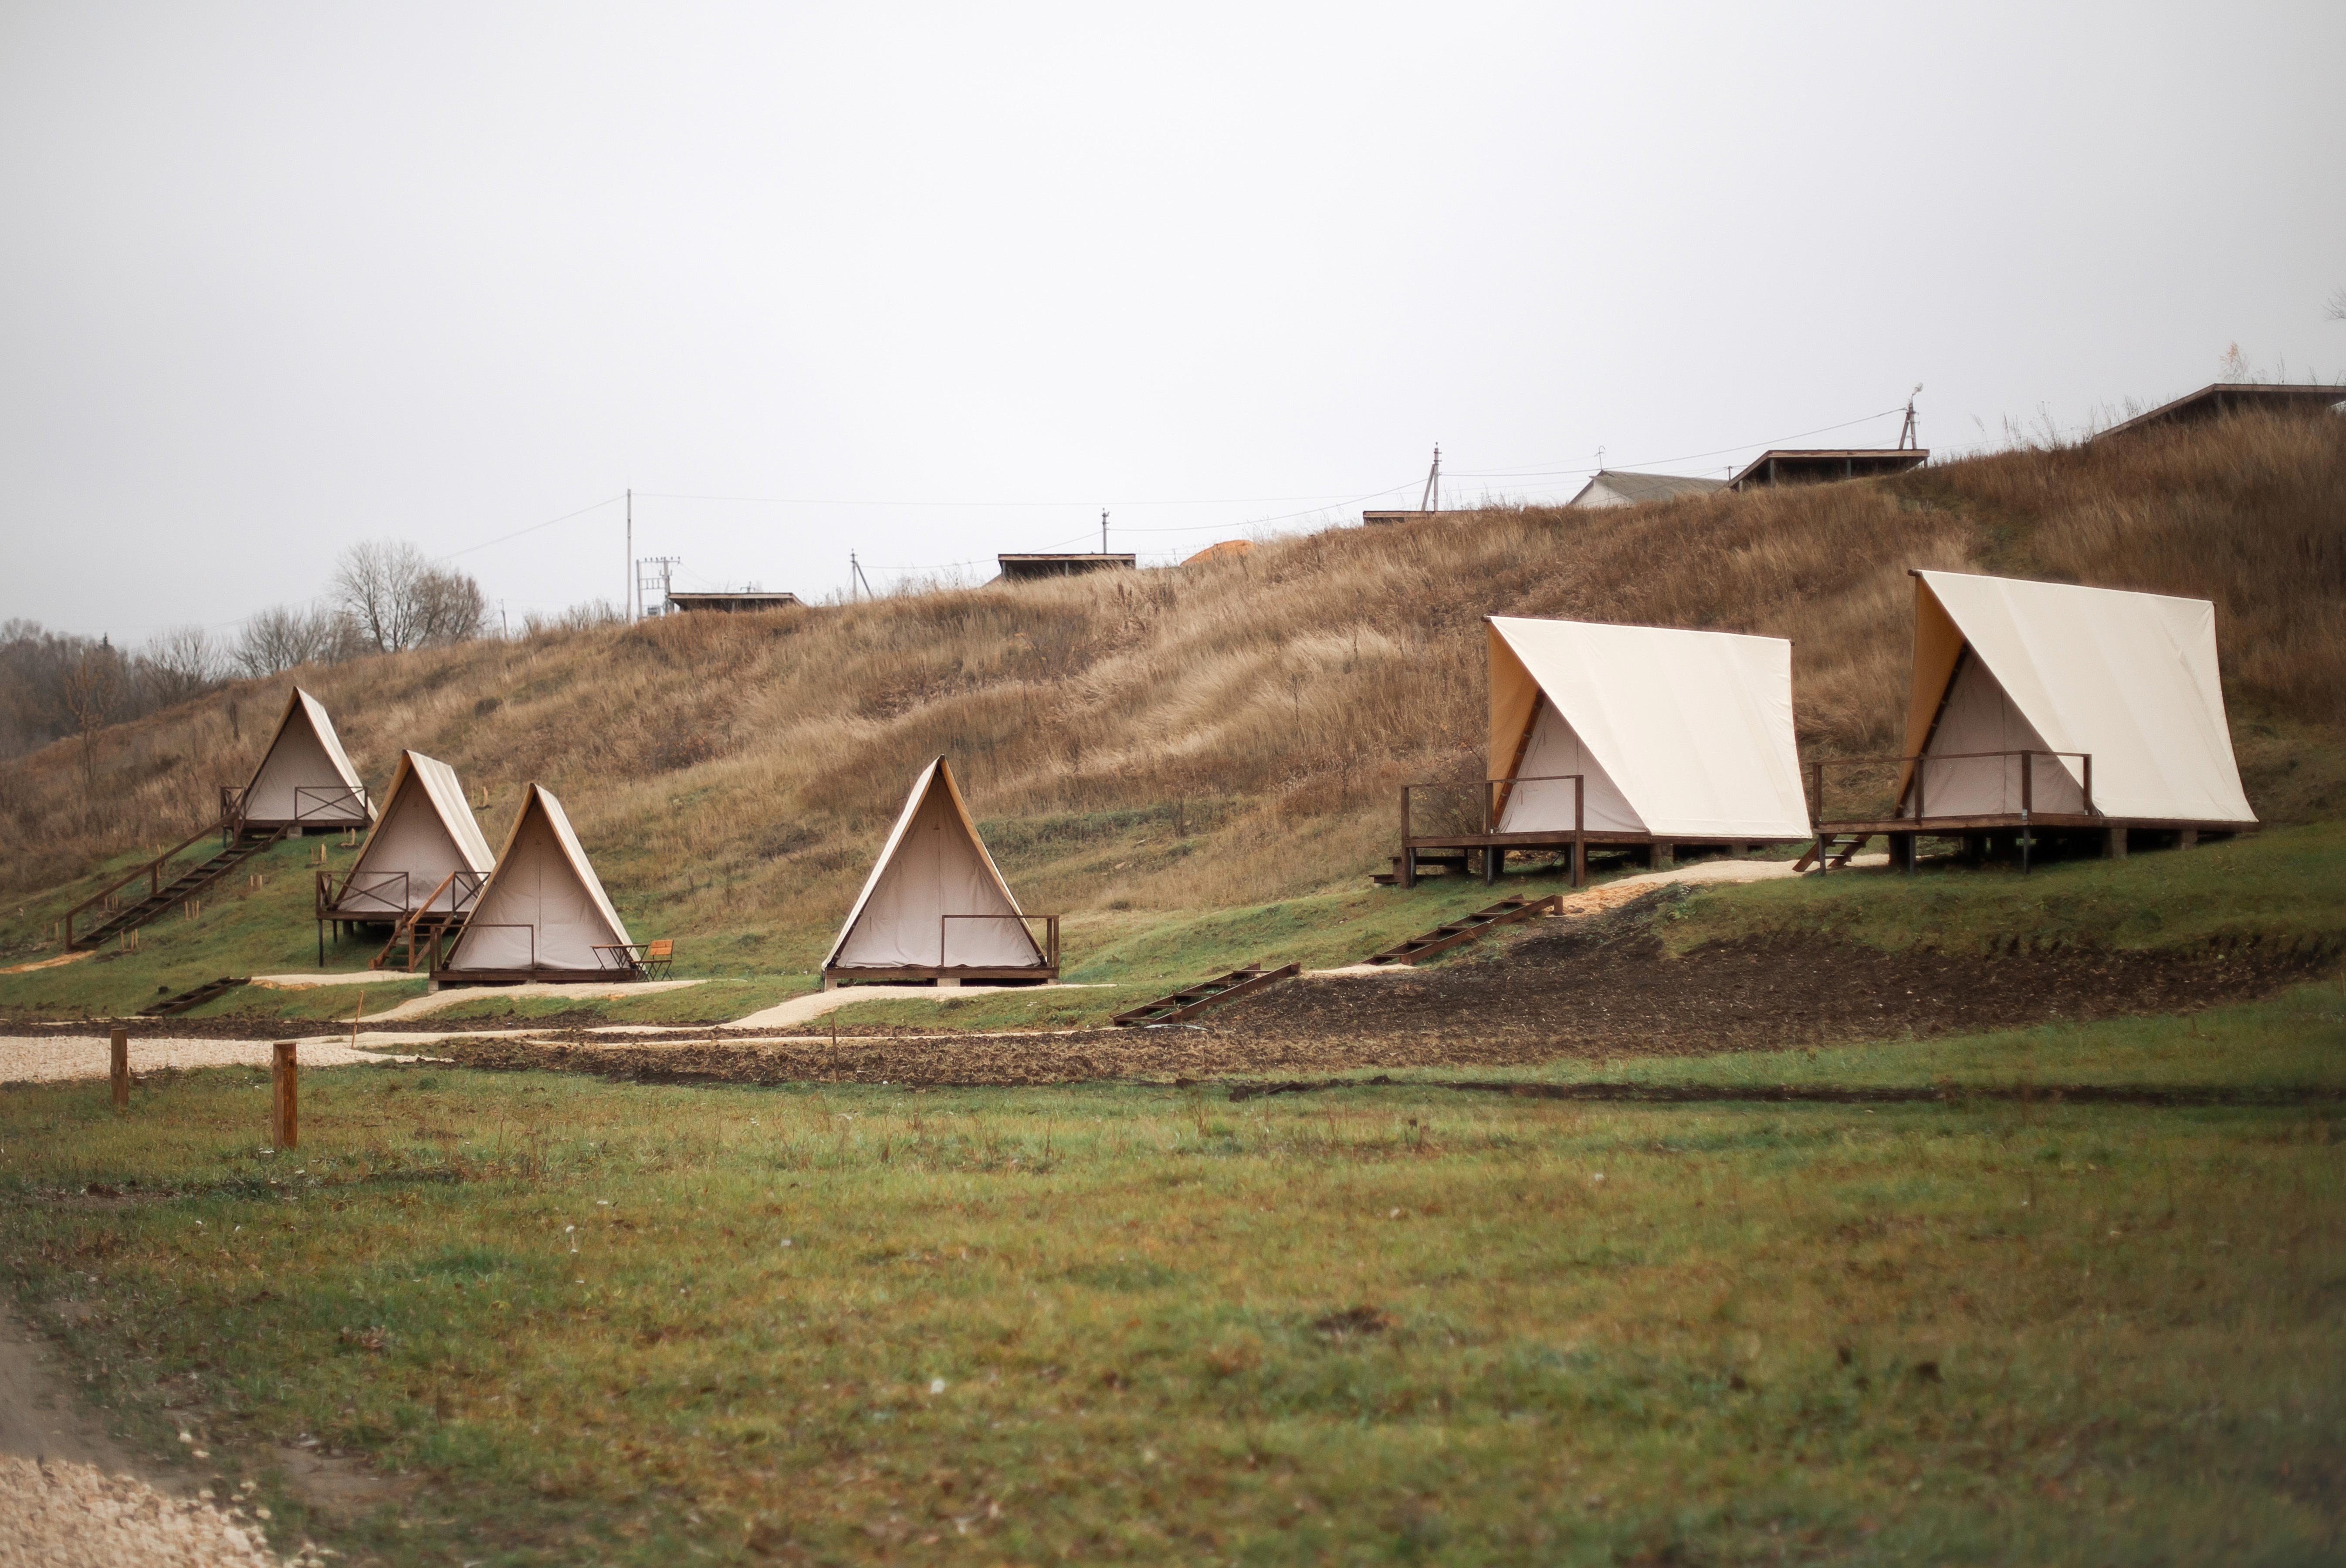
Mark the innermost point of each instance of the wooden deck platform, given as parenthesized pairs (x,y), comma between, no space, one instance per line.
(915,974)
(1838,841)
(1461,849)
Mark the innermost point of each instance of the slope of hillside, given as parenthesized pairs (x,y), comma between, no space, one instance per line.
(1234,732)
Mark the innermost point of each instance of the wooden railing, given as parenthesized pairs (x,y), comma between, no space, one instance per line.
(1920,763)
(152,870)
(1492,806)
(1049,945)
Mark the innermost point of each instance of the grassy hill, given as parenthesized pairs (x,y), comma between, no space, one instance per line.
(1145,749)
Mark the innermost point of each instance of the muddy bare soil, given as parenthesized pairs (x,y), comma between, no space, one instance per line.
(1574,994)
(1567,993)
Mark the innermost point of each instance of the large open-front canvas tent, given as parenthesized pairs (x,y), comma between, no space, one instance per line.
(1616,734)
(543,914)
(935,906)
(2058,709)
(305,778)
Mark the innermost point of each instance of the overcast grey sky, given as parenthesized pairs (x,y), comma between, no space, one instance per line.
(949,281)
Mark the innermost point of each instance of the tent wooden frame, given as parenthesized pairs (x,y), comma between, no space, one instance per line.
(617,961)
(1517,697)
(323,803)
(937,775)
(1944,652)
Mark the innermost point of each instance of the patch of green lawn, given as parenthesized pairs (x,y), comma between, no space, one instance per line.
(623,1324)
(2285,883)
(710,1001)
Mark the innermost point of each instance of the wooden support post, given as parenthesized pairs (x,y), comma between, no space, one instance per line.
(1408,867)
(121,1068)
(284,1097)
(2114,844)
(1494,860)
(1660,857)
(1579,861)
(2190,838)
(1901,849)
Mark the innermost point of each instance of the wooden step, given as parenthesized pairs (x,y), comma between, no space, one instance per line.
(1467,928)
(1191,1000)
(171,1006)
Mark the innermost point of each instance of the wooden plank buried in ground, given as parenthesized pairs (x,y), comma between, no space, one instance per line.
(170,1006)
(1466,928)
(1192,1000)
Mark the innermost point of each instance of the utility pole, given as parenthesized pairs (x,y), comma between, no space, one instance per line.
(1103,531)
(1907,435)
(664,580)
(626,598)
(1429,502)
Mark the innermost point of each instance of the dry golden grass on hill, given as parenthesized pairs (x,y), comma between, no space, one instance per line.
(733,774)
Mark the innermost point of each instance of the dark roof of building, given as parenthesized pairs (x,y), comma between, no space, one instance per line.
(746,599)
(1635,487)
(2219,398)
(1378,519)
(1018,567)
(1808,464)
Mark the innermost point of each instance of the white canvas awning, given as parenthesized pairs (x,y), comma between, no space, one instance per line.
(305,776)
(426,831)
(1673,732)
(544,906)
(2004,664)
(936,899)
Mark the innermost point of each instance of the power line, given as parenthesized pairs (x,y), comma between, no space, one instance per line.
(566,516)
(1681,457)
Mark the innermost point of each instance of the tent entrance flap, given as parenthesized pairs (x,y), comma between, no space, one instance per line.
(1545,804)
(1955,780)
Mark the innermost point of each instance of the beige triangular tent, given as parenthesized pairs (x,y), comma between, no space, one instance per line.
(2003,664)
(936,899)
(1674,733)
(305,778)
(544,910)
(425,833)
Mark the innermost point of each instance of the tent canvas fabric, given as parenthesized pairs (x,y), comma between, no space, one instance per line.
(2129,678)
(544,906)
(305,776)
(1684,733)
(934,866)
(424,831)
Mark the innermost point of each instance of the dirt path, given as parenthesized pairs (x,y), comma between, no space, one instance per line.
(35,1058)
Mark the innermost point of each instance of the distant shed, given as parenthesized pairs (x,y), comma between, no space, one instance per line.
(2221,398)
(732,603)
(1383,519)
(1825,465)
(1612,487)
(1027,568)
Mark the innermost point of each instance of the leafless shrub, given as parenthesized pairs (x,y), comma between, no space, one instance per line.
(181,662)
(284,637)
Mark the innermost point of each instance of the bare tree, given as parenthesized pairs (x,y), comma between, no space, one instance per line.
(179,663)
(92,697)
(284,636)
(2336,308)
(399,600)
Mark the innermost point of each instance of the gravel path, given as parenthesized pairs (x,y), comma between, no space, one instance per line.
(25,1058)
(75,1515)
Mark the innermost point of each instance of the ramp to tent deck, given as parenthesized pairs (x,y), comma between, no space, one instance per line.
(1467,928)
(1191,1001)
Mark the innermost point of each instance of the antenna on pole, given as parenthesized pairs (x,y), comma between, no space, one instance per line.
(627,596)
(1906,433)
(855,576)
(664,579)
(1431,500)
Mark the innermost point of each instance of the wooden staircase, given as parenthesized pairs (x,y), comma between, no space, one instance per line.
(172,1006)
(238,848)
(1839,848)
(1467,928)
(1195,999)
(424,930)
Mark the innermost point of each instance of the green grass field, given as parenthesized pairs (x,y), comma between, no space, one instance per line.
(576,1322)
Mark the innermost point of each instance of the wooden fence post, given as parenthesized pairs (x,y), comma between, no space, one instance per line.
(284,1097)
(121,1068)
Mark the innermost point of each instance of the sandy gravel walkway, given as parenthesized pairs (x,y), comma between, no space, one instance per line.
(804,1009)
(25,1058)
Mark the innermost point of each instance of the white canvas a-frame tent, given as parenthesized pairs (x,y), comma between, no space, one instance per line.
(935,906)
(305,778)
(2064,705)
(543,914)
(424,846)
